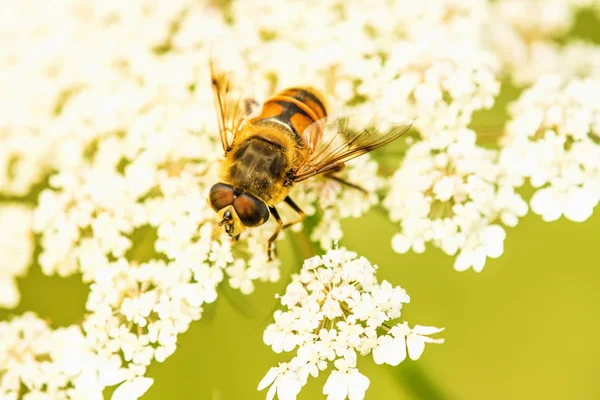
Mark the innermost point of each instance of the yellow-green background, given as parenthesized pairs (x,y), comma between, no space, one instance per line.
(527,327)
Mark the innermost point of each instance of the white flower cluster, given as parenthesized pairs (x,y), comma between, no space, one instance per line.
(135,222)
(523,34)
(439,82)
(424,63)
(111,104)
(69,76)
(454,198)
(16,250)
(553,139)
(41,363)
(128,126)
(335,309)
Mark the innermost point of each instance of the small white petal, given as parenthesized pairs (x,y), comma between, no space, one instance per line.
(426,330)
(357,386)
(463,260)
(271,392)
(133,389)
(545,204)
(268,378)
(336,388)
(9,293)
(400,244)
(396,351)
(416,346)
(289,387)
(580,205)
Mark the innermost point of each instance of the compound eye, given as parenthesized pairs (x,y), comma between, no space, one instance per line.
(221,195)
(250,210)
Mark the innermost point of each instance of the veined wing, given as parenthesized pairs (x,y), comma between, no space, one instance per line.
(336,140)
(229,73)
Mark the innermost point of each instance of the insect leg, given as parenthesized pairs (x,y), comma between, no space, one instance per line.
(345,182)
(271,248)
(295,207)
(331,175)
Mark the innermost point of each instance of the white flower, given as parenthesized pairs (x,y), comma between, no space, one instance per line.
(107,109)
(523,34)
(415,338)
(576,204)
(488,243)
(283,381)
(16,250)
(133,389)
(454,197)
(335,307)
(53,363)
(350,384)
(392,349)
(439,81)
(552,139)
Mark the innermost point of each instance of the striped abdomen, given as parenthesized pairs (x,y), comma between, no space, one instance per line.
(296,108)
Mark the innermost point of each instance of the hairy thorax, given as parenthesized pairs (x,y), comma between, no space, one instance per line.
(258,165)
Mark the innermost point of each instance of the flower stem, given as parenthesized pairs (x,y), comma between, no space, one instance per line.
(417,382)
(302,246)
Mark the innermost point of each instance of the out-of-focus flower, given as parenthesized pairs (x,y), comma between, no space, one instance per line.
(456,198)
(426,61)
(524,33)
(576,59)
(133,389)
(57,364)
(554,140)
(16,250)
(440,82)
(335,308)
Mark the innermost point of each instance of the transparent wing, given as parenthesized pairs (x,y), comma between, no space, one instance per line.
(334,141)
(229,73)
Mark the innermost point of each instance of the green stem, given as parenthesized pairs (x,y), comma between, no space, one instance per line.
(417,382)
(304,245)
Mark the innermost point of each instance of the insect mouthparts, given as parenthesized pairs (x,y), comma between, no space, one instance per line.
(227,218)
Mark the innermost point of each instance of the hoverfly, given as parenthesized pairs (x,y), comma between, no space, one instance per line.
(291,139)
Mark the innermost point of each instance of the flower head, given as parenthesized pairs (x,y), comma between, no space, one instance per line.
(456,198)
(55,363)
(553,140)
(335,308)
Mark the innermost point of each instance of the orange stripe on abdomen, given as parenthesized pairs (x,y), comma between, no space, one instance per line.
(310,97)
(297,108)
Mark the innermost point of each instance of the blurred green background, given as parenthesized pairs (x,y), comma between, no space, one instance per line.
(526,327)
